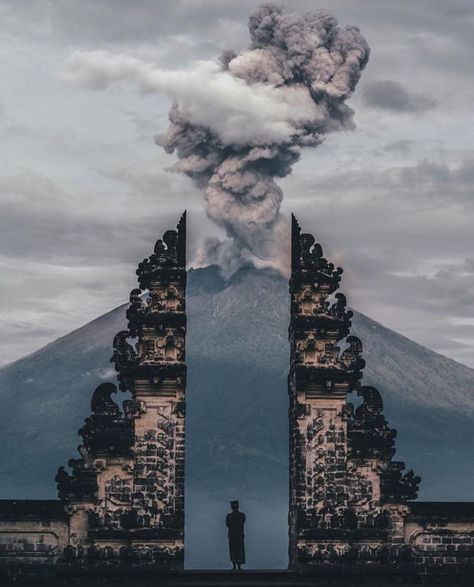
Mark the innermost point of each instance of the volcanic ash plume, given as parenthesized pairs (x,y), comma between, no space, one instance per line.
(238,125)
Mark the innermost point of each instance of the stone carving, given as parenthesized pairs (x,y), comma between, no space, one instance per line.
(32,543)
(106,431)
(124,355)
(130,477)
(370,436)
(397,485)
(341,472)
(443,542)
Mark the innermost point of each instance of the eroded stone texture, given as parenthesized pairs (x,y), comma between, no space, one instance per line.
(122,500)
(32,532)
(347,496)
(125,495)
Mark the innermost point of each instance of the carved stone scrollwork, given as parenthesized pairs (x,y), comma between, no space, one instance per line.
(370,435)
(397,485)
(124,356)
(338,309)
(118,490)
(168,252)
(102,403)
(135,311)
(372,405)
(351,357)
(341,474)
(134,408)
(81,485)
(106,430)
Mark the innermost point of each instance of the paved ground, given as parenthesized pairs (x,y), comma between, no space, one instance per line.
(326,577)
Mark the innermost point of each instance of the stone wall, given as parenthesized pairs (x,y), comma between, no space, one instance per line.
(441,536)
(32,533)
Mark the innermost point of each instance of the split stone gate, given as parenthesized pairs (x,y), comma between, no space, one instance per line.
(121,503)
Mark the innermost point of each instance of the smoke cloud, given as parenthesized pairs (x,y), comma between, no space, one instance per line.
(238,125)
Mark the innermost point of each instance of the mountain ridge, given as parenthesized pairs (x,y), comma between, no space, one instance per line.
(222,284)
(237,424)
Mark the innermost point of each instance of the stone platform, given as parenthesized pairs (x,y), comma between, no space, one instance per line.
(325,577)
(252,578)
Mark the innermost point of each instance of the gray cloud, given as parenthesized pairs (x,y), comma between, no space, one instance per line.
(428,181)
(400,146)
(63,264)
(122,20)
(41,221)
(102,22)
(437,180)
(390,95)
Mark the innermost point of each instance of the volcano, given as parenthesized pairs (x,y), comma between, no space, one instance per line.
(237,423)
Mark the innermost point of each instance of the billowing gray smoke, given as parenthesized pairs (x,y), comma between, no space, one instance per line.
(239,125)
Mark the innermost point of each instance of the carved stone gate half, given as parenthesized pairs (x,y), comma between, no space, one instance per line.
(125,496)
(347,497)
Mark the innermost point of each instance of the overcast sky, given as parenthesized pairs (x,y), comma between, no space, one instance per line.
(85,192)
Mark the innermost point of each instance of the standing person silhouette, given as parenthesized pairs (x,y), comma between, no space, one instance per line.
(235,522)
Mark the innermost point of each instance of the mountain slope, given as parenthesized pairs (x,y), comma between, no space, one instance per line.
(237,354)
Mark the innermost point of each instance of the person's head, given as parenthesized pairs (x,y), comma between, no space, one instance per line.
(234,505)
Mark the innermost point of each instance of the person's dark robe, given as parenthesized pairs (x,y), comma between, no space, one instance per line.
(235,522)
